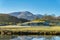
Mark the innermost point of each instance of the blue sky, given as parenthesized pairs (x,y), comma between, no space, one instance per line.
(34,6)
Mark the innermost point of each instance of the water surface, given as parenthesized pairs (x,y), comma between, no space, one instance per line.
(35,37)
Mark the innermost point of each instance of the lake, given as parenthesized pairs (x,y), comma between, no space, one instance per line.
(31,37)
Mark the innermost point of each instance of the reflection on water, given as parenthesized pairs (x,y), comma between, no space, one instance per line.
(5,37)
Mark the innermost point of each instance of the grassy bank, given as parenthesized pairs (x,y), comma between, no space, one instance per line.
(19,28)
(42,30)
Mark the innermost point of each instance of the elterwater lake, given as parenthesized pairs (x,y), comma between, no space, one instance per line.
(29,37)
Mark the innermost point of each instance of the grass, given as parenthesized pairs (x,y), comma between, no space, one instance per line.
(42,28)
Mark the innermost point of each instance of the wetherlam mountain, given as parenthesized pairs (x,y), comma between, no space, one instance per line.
(25,15)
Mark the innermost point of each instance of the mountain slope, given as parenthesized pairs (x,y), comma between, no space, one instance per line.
(5,18)
(39,16)
(8,18)
(15,14)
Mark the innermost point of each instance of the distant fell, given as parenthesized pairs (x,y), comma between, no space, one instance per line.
(25,15)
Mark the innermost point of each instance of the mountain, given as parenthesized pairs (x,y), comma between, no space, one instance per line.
(15,14)
(25,15)
(39,15)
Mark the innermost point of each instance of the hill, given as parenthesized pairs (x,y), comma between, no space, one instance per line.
(8,19)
